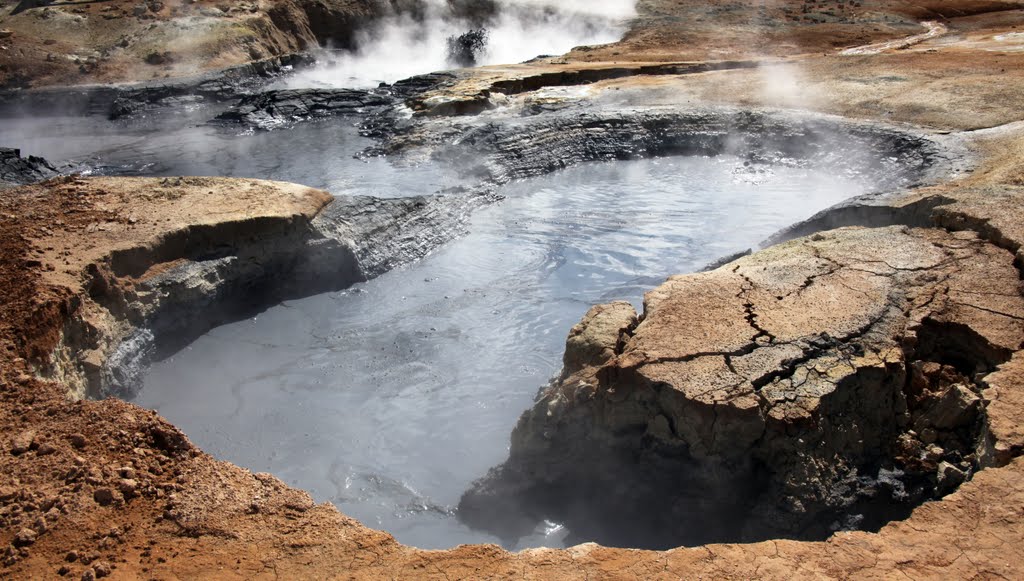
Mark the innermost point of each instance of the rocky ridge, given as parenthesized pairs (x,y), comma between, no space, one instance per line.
(273,109)
(154,287)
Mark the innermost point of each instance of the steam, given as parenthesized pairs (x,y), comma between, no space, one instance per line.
(787,85)
(404,44)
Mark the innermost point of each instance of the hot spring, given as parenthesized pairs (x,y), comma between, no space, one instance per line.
(390,397)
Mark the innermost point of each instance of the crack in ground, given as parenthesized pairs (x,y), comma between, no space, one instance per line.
(748,307)
(810,280)
(818,345)
(987,310)
(729,365)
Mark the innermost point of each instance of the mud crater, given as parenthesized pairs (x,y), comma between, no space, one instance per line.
(716,498)
(208,277)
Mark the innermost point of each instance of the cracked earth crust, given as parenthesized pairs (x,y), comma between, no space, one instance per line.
(808,379)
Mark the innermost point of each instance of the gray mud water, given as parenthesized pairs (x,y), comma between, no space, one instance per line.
(321,153)
(389,398)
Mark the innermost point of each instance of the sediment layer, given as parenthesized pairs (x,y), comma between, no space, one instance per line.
(193,253)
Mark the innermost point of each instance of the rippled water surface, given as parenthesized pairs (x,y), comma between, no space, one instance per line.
(389,398)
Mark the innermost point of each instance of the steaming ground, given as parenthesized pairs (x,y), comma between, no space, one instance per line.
(404,45)
(389,398)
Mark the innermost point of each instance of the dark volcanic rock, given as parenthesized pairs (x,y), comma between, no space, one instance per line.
(117,101)
(415,86)
(530,146)
(220,87)
(273,109)
(465,49)
(16,170)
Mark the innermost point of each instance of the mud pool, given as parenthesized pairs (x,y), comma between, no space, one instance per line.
(183,143)
(389,398)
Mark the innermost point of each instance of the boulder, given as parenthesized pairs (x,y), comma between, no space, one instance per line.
(16,170)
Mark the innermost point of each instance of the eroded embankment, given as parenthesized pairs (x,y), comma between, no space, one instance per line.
(262,265)
(192,253)
(121,58)
(124,41)
(503,148)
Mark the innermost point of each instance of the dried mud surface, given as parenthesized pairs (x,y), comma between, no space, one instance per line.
(92,489)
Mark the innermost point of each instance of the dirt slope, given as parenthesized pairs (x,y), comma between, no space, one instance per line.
(75,43)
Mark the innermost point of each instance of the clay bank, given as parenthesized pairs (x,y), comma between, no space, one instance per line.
(843,401)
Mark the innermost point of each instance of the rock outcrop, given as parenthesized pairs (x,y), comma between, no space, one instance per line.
(828,383)
(503,149)
(273,109)
(17,171)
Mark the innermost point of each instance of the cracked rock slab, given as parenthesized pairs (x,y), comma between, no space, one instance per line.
(785,378)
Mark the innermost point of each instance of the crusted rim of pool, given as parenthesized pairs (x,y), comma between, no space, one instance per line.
(187,282)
